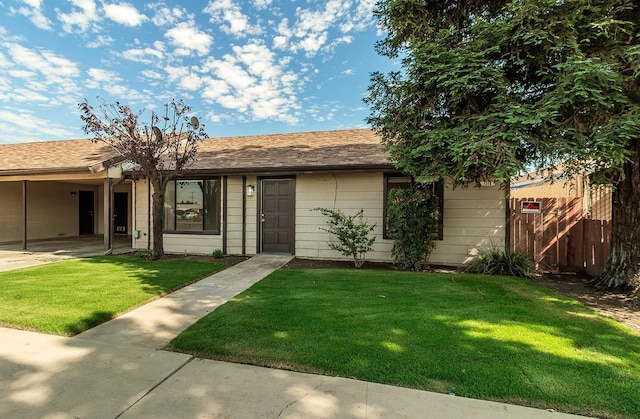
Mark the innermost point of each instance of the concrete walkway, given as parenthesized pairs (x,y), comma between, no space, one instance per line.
(115,371)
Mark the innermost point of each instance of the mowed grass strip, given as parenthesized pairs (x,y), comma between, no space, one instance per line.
(496,338)
(69,297)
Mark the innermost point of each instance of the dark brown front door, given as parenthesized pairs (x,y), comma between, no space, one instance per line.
(277,217)
(86,212)
(121,212)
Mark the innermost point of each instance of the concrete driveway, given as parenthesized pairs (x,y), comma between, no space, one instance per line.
(12,256)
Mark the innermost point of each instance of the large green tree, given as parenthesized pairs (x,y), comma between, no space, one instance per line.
(489,88)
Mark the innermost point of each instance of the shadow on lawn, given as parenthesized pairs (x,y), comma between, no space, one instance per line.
(157,278)
(574,362)
(497,338)
(96,318)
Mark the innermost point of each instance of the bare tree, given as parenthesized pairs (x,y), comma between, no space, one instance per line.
(160,149)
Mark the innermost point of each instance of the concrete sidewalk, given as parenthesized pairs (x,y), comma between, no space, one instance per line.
(114,371)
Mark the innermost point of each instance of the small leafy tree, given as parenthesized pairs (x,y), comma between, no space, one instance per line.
(160,149)
(352,232)
(412,222)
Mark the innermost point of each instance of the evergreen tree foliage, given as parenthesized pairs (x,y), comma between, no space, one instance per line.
(489,88)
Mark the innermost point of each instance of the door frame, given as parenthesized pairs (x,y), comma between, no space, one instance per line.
(292,209)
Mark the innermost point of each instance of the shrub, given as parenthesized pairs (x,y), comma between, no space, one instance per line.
(144,254)
(217,254)
(412,222)
(352,232)
(500,262)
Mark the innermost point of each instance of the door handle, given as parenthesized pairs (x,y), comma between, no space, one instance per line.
(262,219)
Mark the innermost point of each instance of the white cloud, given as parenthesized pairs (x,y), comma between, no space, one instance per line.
(124,13)
(151,74)
(53,67)
(280,42)
(100,41)
(165,16)
(15,122)
(83,14)
(313,30)
(99,76)
(262,4)
(187,39)
(33,12)
(112,83)
(362,19)
(144,55)
(231,18)
(22,74)
(252,81)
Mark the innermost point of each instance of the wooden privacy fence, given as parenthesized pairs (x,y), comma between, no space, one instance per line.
(559,238)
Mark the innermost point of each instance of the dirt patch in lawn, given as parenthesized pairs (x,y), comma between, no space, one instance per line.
(619,306)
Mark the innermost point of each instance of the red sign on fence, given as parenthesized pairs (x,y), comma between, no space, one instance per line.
(530,207)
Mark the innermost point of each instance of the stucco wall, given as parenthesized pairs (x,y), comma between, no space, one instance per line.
(51,210)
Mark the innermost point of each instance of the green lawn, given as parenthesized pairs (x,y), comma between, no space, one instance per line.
(69,297)
(497,338)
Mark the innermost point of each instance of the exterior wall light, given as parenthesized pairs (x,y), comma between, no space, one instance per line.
(250,190)
(73,194)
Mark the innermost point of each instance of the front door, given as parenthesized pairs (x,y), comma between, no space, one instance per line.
(277,216)
(121,212)
(86,212)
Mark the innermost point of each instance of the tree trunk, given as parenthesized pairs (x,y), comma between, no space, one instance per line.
(158,219)
(621,270)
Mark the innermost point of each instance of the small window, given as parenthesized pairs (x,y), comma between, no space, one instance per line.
(192,206)
(397,181)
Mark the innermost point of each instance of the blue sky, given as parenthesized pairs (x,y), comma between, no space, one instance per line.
(246,67)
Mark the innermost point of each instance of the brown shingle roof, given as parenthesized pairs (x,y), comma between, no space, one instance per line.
(357,149)
(54,157)
(319,150)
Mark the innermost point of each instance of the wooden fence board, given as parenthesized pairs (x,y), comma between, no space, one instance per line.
(560,238)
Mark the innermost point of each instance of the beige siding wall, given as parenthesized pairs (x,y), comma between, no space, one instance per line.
(52,211)
(474,218)
(346,192)
(140,215)
(234,216)
(252,217)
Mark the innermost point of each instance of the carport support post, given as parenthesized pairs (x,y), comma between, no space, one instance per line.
(106,211)
(24,214)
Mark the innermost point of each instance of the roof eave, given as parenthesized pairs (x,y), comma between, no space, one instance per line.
(286,170)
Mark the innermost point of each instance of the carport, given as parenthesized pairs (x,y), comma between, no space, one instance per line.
(13,256)
(62,189)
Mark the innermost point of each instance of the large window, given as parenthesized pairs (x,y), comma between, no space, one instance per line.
(398,181)
(192,206)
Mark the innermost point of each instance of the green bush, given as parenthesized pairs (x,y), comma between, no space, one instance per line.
(217,254)
(143,254)
(412,222)
(352,232)
(500,262)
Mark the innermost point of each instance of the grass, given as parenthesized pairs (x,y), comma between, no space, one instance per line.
(69,297)
(486,337)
